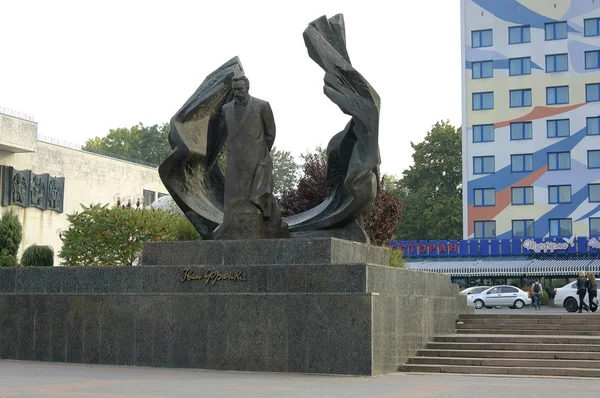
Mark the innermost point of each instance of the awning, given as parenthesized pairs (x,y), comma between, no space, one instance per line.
(508,268)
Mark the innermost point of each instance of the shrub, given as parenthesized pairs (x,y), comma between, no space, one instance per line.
(38,256)
(396,259)
(11,233)
(7,259)
(115,236)
(545,297)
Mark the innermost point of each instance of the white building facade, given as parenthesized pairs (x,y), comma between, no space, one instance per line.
(42,182)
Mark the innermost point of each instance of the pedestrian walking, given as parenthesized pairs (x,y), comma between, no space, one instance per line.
(592,292)
(582,290)
(536,289)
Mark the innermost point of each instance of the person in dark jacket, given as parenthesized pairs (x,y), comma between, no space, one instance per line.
(592,291)
(581,289)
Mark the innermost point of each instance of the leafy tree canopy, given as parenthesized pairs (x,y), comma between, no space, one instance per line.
(431,189)
(146,144)
(285,171)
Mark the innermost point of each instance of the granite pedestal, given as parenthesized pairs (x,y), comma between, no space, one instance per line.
(309,306)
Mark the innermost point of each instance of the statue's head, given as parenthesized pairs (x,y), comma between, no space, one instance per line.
(240,86)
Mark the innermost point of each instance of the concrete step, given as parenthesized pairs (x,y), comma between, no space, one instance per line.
(506,362)
(549,327)
(567,317)
(571,320)
(531,332)
(517,338)
(529,355)
(500,370)
(571,348)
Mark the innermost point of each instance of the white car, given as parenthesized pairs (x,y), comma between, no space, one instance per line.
(500,296)
(567,297)
(474,290)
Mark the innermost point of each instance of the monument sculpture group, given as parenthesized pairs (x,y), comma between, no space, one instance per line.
(240,204)
(240,299)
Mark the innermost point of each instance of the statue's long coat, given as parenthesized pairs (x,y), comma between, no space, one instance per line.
(249,165)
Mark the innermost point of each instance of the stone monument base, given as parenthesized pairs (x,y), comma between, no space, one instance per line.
(332,309)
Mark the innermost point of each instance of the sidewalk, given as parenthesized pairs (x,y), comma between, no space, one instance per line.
(57,380)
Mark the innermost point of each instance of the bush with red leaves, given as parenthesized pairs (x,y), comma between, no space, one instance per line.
(380,223)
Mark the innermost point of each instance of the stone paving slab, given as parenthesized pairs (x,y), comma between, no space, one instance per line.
(54,380)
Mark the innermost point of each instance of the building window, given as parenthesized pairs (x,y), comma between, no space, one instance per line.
(594,159)
(558,128)
(485,229)
(594,226)
(594,192)
(592,27)
(592,59)
(482,101)
(481,38)
(522,229)
(522,195)
(557,63)
(520,98)
(556,30)
(149,197)
(519,163)
(592,125)
(559,194)
(485,197)
(592,92)
(557,95)
(561,227)
(484,165)
(519,34)
(559,160)
(521,131)
(483,133)
(482,70)
(519,66)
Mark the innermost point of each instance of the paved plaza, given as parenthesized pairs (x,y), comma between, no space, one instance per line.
(57,380)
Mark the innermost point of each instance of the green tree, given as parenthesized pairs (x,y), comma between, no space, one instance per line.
(285,171)
(431,189)
(11,233)
(103,236)
(147,144)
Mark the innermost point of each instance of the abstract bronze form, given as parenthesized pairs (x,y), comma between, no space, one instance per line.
(198,186)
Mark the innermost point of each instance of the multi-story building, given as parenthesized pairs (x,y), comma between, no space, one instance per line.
(531,118)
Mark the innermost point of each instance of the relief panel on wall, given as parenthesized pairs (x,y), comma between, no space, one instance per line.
(27,189)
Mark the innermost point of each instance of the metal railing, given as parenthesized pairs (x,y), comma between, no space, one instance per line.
(56,141)
(79,147)
(13,113)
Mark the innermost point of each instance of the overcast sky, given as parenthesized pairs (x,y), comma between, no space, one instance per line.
(84,67)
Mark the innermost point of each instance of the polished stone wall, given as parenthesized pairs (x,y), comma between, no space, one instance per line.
(354,318)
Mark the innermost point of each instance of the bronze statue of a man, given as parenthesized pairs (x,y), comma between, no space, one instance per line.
(251,210)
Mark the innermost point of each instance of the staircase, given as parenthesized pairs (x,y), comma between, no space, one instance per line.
(541,345)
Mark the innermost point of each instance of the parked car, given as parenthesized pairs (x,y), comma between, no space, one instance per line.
(500,296)
(474,290)
(567,297)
